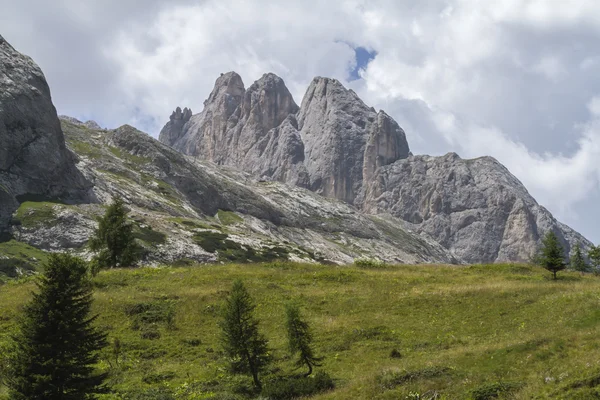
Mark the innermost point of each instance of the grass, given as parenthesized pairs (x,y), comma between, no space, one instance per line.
(149,235)
(131,158)
(22,251)
(474,332)
(17,257)
(229,217)
(31,214)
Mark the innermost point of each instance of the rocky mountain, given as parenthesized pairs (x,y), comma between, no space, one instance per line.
(256,177)
(475,208)
(340,148)
(34,161)
(189,210)
(57,175)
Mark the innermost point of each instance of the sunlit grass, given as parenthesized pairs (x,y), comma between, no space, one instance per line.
(459,331)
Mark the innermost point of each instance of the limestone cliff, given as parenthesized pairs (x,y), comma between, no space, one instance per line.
(34,162)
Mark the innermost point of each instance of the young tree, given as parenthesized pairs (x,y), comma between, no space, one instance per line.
(551,254)
(577,261)
(241,339)
(594,256)
(300,338)
(56,345)
(113,240)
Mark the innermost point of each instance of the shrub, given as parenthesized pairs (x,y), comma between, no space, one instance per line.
(494,390)
(395,354)
(157,311)
(12,266)
(149,235)
(369,263)
(294,387)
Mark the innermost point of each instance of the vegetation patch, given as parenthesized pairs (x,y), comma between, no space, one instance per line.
(85,149)
(161,311)
(391,378)
(369,263)
(295,387)
(131,158)
(229,217)
(33,214)
(229,250)
(191,223)
(495,390)
(148,235)
(21,255)
(212,241)
(14,267)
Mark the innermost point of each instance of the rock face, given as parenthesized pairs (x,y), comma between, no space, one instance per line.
(345,140)
(184,199)
(475,208)
(34,162)
(88,124)
(329,144)
(340,148)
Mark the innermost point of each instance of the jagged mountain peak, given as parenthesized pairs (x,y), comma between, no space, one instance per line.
(324,144)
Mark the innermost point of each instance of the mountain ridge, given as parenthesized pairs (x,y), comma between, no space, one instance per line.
(346,150)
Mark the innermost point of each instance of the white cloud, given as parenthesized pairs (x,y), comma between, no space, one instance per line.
(594,106)
(551,67)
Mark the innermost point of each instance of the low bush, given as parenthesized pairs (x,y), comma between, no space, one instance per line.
(153,312)
(295,387)
(495,390)
(369,263)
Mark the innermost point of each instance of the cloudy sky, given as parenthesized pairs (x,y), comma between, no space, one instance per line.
(515,79)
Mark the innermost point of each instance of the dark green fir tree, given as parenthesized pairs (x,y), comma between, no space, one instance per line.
(594,256)
(242,341)
(552,255)
(56,346)
(577,261)
(113,241)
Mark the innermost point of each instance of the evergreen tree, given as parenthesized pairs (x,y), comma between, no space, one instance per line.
(113,240)
(594,256)
(551,254)
(300,338)
(56,345)
(241,339)
(577,261)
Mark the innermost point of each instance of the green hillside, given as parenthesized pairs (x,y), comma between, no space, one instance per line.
(413,332)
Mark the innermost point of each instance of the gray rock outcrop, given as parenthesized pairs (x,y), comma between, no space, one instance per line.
(254,129)
(345,140)
(475,208)
(34,162)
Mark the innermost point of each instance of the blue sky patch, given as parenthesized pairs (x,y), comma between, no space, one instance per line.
(363,58)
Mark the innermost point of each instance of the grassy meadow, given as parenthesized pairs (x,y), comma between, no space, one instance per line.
(397,332)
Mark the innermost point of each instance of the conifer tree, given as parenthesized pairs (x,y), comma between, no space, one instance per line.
(551,254)
(56,345)
(242,342)
(300,338)
(594,256)
(113,241)
(577,261)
